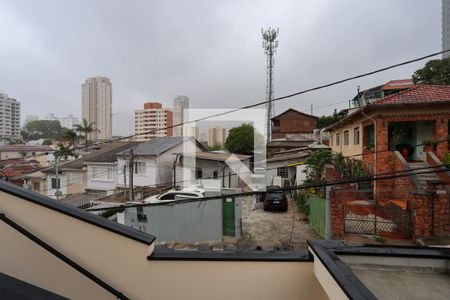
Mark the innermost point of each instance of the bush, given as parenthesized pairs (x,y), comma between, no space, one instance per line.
(301,199)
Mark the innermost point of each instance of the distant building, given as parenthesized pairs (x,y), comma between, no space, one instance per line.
(293,125)
(446,27)
(96,106)
(216,136)
(152,117)
(180,103)
(9,118)
(69,121)
(31,118)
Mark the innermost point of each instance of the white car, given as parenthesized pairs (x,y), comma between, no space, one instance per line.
(191,192)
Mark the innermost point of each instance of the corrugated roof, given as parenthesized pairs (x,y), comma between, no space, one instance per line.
(288,157)
(158,145)
(218,156)
(106,154)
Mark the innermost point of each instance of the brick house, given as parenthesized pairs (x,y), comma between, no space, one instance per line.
(292,123)
(406,131)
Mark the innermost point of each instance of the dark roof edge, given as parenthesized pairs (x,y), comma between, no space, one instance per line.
(76,213)
(344,277)
(297,111)
(275,256)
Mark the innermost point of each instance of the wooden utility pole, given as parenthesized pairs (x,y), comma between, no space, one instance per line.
(125,182)
(131,196)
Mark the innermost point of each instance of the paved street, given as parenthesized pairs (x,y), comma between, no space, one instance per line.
(270,229)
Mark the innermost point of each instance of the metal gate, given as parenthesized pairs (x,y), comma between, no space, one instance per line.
(369,217)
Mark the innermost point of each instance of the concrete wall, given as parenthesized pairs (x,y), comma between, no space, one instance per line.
(351,148)
(123,264)
(76,181)
(116,259)
(184,222)
(101,183)
(217,280)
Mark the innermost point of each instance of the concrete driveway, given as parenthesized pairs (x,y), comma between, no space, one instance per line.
(273,229)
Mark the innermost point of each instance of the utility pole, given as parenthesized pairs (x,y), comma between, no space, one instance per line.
(58,192)
(125,182)
(269,45)
(131,196)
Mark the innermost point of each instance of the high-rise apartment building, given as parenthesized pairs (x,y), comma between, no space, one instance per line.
(96,106)
(180,103)
(69,121)
(152,117)
(216,136)
(446,27)
(9,118)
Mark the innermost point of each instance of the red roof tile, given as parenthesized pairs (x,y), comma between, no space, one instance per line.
(398,84)
(419,94)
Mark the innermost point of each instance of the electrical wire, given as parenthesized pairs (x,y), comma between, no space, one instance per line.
(374,177)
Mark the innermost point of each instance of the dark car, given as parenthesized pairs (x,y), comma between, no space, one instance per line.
(274,199)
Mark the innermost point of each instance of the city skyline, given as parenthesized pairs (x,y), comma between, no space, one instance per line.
(209,64)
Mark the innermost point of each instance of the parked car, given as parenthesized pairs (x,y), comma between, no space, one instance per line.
(176,194)
(274,199)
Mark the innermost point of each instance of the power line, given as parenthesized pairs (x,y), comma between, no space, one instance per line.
(375,177)
(280,98)
(274,100)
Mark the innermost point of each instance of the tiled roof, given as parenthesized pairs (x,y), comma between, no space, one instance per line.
(105,154)
(296,111)
(418,94)
(25,148)
(157,145)
(398,84)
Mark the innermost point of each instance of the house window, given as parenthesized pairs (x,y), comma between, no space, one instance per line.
(356,136)
(338,139)
(216,174)
(55,184)
(139,167)
(101,173)
(282,172)
(198,173)
(346,137)
(331,140)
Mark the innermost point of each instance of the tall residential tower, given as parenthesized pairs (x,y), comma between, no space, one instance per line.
(180,103)
(152,121)
(9,118)
(96,106)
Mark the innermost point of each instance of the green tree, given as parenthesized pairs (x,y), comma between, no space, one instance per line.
(241,139)
(47,142)
(215,148)
(325,121)
(46,129)
(69,135)
(316,164)
(435,71)
(64,151)
(85,128)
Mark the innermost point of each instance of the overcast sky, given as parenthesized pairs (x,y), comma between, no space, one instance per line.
(208,50)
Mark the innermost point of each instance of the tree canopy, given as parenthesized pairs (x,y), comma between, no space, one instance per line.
(46,129)
(240,139)
(436,71)
(325,121)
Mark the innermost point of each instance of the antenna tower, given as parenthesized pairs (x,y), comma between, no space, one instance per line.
(269,44)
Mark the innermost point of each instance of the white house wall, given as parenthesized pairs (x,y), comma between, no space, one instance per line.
(102,183)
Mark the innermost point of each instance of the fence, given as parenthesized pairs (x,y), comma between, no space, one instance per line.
(317,214)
